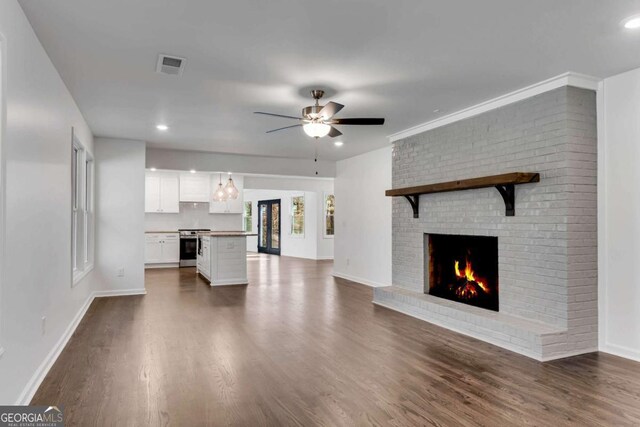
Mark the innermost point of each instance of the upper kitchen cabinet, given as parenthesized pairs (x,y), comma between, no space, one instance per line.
(231,206)
(162,192)
(194,187)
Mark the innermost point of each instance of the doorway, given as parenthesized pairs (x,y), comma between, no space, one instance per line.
(269,226)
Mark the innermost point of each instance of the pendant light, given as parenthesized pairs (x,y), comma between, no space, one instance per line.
(220,195)
(230,188)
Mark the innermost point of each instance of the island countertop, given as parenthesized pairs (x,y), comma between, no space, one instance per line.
(227,234)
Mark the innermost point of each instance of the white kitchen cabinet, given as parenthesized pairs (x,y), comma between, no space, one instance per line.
(162,248)
(230,206)
(171,248)
(151,192)
(204,258)
(194,187)
(152,249)
(162,192)
(224,259)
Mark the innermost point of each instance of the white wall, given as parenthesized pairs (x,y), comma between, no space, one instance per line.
(315,245)
(119,215)
(192,215)
(295,246)
(201,161)
(37,151)
(619,215)
(363,218)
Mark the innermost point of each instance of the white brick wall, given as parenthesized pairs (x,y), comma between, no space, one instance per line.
(547,252)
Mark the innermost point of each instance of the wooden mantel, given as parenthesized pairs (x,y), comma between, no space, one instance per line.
(504,183)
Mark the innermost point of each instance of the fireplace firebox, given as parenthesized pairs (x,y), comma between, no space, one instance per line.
(463,269)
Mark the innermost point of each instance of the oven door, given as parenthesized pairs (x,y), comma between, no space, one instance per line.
(188,251)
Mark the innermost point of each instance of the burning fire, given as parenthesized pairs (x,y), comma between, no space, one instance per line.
(468,290)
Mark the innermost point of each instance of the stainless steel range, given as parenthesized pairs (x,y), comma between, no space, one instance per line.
(189,246)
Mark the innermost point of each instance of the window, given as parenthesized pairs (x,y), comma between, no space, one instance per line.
(329,209)
(88,211)
(247,219)
(297,216)
(76,197)
(2,163)
(82,213)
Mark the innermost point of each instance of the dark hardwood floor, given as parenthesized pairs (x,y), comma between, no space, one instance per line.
(298,347)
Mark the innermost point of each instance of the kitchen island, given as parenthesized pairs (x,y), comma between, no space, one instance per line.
(222,257)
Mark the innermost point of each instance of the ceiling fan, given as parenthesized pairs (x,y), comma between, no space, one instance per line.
(317,120)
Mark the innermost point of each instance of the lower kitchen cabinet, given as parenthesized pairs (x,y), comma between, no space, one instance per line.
(162,248)
(204,257)
(222,259)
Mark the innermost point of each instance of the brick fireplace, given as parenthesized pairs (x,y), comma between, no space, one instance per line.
(546,253)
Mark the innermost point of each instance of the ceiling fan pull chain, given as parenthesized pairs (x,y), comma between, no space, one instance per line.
(316,154)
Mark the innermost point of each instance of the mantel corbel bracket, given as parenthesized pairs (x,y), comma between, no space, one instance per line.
(415,204)
(508,193)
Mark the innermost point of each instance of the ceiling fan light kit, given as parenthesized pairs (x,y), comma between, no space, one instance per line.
(317,120)
(316,130)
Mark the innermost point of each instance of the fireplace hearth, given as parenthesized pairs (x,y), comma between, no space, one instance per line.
(463,269)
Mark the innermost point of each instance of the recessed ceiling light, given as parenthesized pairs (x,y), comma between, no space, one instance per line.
(437,110)
(632,22)
(153,169)
(338,143)
(162,127)
(192,171)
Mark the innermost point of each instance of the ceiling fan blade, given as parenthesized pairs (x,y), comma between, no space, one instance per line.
(286,127)
(276,115)
(334,132)
(330,110)
(362,121)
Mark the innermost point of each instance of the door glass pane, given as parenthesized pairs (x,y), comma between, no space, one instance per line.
(297,216)
(263,226)
(275,226)
(329,209)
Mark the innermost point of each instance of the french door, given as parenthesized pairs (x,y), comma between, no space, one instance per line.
(269,227)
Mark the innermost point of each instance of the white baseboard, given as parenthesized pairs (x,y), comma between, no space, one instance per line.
(241,282)
(42,371)
(621,351)
(360,280)
(39,375)
(324,258)
(170,265)
(308,257)
(119,293)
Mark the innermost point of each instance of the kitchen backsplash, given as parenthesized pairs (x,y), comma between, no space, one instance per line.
(192,215)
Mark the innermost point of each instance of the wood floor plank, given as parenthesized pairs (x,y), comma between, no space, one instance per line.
(298,347)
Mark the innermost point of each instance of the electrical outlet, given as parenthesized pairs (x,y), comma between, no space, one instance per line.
(121,272)
(44,325)
(348,261)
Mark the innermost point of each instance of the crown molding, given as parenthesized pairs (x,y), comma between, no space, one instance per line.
(567,79)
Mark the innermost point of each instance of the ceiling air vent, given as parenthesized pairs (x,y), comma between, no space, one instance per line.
(171,65)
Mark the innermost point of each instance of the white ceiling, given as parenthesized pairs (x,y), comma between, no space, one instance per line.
(399,59)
